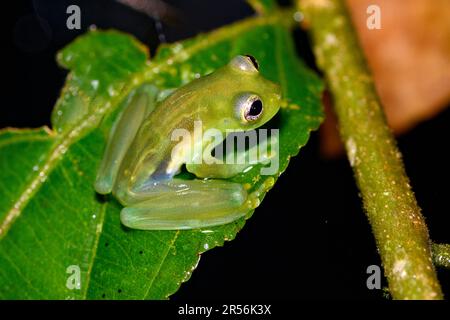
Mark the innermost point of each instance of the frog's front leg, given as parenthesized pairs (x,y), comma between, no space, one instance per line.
(264,153)
(184,204)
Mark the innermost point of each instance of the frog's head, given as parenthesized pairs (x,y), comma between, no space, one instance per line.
(250,100)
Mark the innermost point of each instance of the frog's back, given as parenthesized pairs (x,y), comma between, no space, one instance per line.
(150,151)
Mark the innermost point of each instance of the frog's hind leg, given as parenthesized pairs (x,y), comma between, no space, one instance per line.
(186,204)
(140,104)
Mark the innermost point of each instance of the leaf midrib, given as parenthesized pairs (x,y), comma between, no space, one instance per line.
(94,249)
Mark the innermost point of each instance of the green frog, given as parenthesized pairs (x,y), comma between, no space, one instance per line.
(142,159)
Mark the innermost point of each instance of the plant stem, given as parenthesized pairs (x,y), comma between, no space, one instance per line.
(397,223)
(441,254)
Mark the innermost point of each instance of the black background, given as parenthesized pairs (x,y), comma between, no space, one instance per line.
(309,238)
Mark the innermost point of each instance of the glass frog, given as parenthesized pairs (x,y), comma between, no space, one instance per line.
(141,161)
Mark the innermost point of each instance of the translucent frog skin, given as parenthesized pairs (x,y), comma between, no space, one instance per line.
(140,163)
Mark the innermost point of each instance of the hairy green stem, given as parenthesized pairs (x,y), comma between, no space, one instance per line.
(397,223)
(441,254)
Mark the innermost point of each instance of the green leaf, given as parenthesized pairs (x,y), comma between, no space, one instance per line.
(51,220)
(101,65)
(263,6)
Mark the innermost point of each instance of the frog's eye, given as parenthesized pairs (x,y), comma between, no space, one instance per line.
(250,107)
(245,63)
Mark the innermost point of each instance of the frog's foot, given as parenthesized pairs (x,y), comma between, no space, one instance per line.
(190,204)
